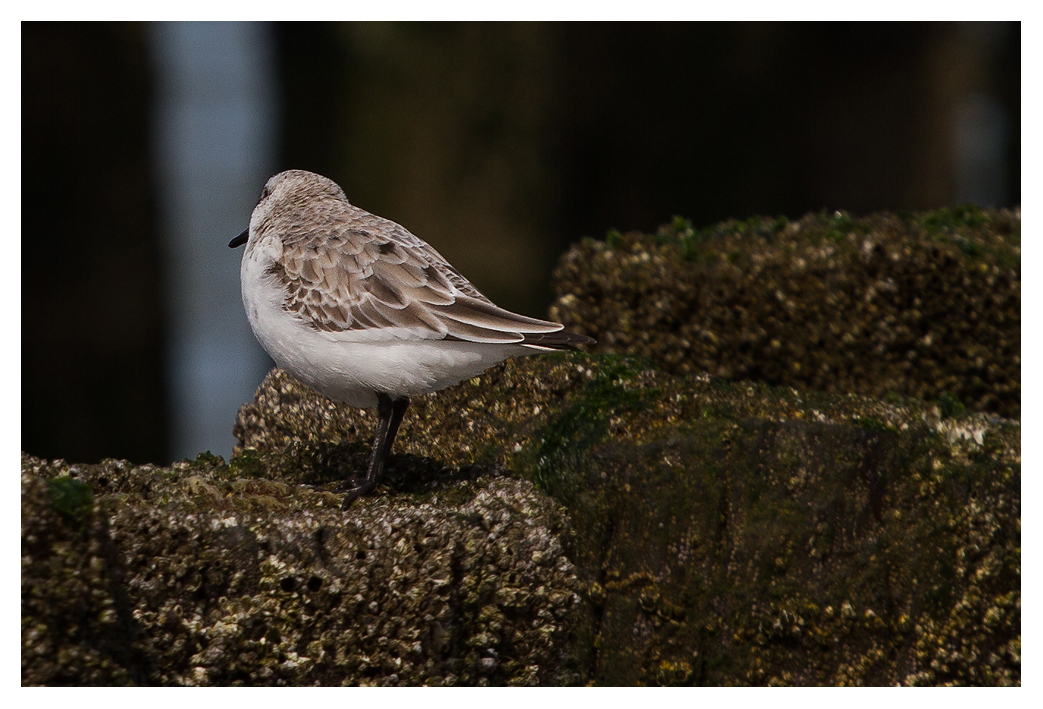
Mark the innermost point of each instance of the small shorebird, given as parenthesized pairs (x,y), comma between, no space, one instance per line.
(363,311)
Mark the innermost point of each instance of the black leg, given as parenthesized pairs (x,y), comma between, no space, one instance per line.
(389,412)
(398,412)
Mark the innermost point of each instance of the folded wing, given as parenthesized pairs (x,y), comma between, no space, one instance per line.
(376,276)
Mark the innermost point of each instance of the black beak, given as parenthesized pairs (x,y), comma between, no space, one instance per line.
(239,240)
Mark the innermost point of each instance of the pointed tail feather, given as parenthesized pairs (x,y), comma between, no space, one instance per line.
(560,340)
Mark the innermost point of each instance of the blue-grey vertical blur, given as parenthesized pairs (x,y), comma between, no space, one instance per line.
(980,128)
(216,139)
(979,150)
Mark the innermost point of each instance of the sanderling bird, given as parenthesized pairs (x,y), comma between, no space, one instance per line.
(366,313)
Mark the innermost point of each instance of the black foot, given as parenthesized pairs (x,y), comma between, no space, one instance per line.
(354,493)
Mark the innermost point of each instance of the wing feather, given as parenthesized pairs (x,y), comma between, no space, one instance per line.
(375,274)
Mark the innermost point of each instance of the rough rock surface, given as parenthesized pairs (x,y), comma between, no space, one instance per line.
(560,520)
(574,519)
(913,304)
(191,575)
(727,533)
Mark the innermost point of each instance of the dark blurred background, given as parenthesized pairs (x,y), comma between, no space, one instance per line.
(144,147)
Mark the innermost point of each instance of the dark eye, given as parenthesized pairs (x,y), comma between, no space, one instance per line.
(264,193)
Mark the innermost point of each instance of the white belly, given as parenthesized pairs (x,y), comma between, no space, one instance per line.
(354,366)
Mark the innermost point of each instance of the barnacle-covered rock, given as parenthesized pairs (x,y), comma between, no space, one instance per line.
(191,575)
(574,519)
(920,305)
(726,533)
